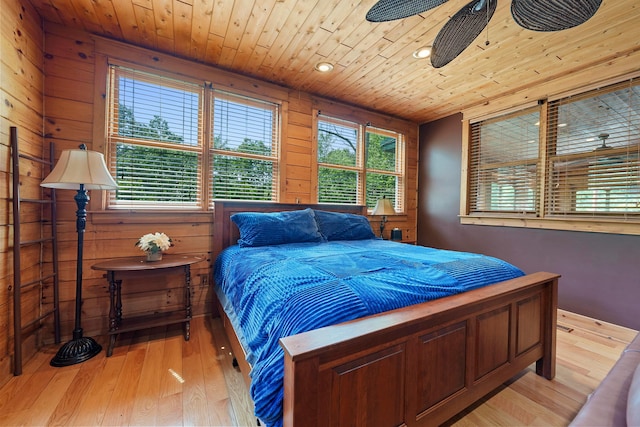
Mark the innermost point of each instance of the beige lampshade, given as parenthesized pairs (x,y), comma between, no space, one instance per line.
(383,207)
(77,167)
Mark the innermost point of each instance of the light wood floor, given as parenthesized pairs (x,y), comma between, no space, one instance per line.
(155,378)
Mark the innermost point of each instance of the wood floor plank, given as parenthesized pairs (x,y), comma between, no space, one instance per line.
(147,397)
(526,411)
(120,408)
(92,410)
(31,389)
(597,327)
(51,397)
(12,387)
(170,410)
(154,377)
(194,394)
(217,394)
(548,394)
(171,380)
(238,394)
(77,391)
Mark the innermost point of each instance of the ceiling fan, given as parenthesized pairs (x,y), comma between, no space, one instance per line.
(603,148)
(460,31)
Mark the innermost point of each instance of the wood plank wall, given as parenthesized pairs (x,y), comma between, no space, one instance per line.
(21,105)
(74,113)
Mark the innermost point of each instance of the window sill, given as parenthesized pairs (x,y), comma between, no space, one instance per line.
(131,216)
(631,227)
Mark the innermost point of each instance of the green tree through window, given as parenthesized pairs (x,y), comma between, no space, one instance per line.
(244,154)
(152,174)
(243,178)
(158,150)
(357,165)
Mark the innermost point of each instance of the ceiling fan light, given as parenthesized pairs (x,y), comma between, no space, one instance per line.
(324,67)
(423,52)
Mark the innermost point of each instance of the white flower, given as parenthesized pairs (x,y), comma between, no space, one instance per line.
(154,242)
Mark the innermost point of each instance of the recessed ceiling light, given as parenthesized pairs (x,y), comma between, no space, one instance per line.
(324,67)
(423,52)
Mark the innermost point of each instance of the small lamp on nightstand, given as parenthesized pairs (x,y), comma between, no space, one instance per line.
(384,208)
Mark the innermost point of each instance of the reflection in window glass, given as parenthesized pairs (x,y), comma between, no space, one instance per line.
(503,168)
(594,153)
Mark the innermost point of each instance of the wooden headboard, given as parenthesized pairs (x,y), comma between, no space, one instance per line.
(225,232)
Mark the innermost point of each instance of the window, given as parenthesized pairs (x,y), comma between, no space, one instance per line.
(575,158)
(339,162)
(160,129)
(384,156)
(359,164)
(504,164)
(154,135)
(594,154)
(245,148)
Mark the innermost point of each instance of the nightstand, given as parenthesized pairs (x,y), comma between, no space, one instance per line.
(138,268)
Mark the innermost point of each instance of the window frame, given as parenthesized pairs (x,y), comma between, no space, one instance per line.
(605,223)
(205,142)
(505,151)
(360,167)
(118,70)
(276,145)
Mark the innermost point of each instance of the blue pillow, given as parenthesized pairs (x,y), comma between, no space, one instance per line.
(276,228)
(343,226)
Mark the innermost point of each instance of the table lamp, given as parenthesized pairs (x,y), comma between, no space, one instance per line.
(384,208)
(80,170)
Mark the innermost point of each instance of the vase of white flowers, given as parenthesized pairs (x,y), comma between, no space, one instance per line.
(153,244)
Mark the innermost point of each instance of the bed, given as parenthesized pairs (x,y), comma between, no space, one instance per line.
(415,365)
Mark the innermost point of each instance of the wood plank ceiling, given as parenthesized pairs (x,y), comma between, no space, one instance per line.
(281,41)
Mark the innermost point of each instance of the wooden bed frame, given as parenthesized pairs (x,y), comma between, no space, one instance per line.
(415,366)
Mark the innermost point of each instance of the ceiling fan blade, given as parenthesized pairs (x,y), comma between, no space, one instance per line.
(461,30)
(389,10)
(552,15)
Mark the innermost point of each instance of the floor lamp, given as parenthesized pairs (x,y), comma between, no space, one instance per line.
(79,170)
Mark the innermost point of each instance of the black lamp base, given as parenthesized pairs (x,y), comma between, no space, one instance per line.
(76,351)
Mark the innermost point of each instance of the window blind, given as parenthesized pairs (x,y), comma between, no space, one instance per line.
(156,141)
(154,126)
(594,153)
(339,161)
(385,165)
(503,164)
(359,166)
(244,154)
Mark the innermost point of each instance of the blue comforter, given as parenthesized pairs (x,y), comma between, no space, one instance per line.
(276,291)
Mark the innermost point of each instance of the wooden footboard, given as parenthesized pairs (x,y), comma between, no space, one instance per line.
(415,366)
(423,364)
